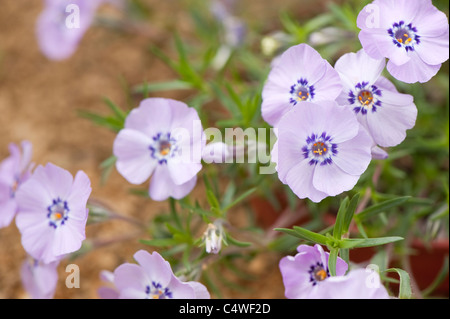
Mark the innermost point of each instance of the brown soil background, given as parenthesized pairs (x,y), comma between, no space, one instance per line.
(39,100)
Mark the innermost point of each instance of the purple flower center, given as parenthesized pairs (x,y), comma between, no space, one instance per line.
(14,186)
(318,273)
(364,97)
(156,291)
(404,35)
(57,213)
(319,149)
(301,91)
(163,147)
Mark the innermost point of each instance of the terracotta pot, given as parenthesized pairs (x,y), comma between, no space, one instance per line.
(267,216)
(427,261)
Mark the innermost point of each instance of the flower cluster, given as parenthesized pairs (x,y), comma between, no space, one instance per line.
(330,123)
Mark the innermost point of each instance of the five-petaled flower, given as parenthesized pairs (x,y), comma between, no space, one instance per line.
(52,212)
(62,24)
(385,113)
(163,138)
(152,278)
(307,276)
(413,35)
(321,150)
(299,75)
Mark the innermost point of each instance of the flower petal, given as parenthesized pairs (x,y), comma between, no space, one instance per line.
(354,155)
(357,67)
(433,50)
(378,44)
(153,116)
(388,125)
(79,195)
(415,70)
(162,186)
(134,160)
(156,267)
(130,276)
(332,180)
(300,180)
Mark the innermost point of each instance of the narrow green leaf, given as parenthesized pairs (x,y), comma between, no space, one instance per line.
(212,199)
(350,212)
(120,114)
(339,224)
(361,230)
(381,207)
(345,255)
(162,86)
(332,260)
(239,199)
(235,242)
(405,291)
(226,101)
(106,167)
(109,122)
(174,213)
(348,243)
(159,242)
(305,234)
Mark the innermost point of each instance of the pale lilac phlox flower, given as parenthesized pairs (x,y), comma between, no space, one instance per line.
(62,24)
(356,284)
(321,150)
(152,278)
(52,212)
(39,279)
(299,75)
(307,276)
(379,107)
(109,291)
(162,138)
(306,272)
(413,35)
(14,170)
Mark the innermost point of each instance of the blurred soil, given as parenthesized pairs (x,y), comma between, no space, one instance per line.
(39,100)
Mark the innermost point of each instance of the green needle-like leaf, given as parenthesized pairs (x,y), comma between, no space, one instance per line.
(305,234)
(405,291)
(381,207)
(348,243)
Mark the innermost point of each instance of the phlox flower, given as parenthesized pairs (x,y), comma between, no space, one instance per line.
(321,150)
(52,212)
(162,138)
(306,276)
(412,34)
(109,291)
(152,278)
(379,107)
(39,279)
(305,273)
(299,75)
(62,24)
(14,170)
